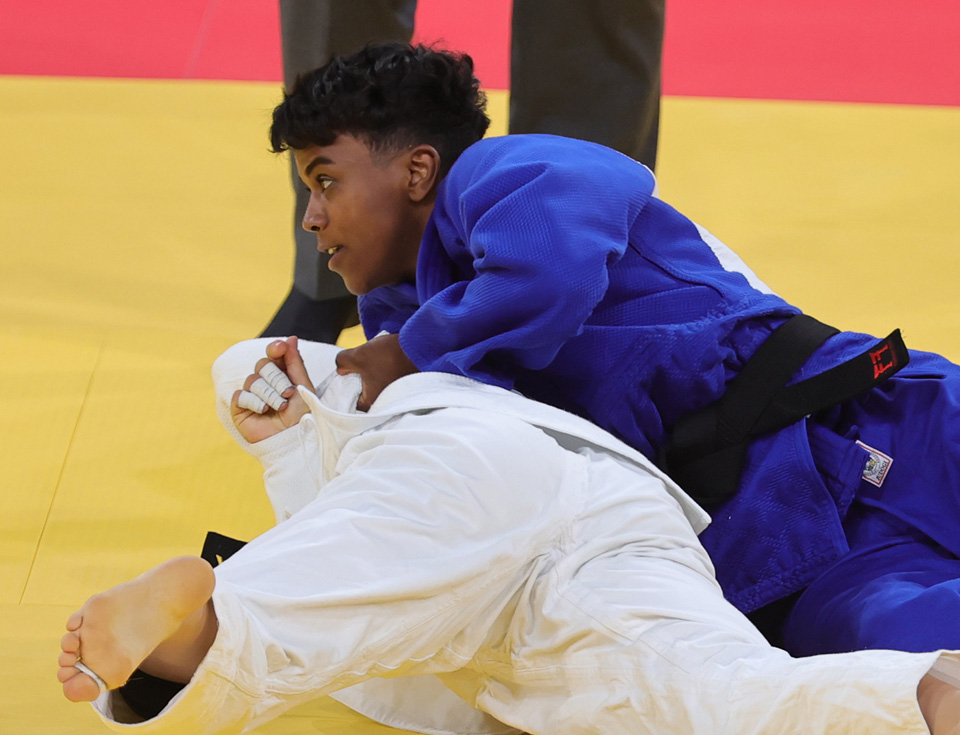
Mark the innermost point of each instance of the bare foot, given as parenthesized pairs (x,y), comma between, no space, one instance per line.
(166,608)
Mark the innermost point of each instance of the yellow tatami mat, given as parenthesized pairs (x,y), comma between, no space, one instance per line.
(848,211)
(144,228)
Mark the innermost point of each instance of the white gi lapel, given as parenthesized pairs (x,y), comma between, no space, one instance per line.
(334,411)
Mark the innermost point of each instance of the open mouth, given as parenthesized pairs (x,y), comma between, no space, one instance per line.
(331,251)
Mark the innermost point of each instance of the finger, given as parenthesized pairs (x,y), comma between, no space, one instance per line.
(246,399)
(276,350)
(277,379)
(296,370)
(262,389)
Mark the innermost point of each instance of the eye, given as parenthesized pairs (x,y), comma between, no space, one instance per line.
(324,182)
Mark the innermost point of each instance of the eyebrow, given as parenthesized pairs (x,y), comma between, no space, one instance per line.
(316,162)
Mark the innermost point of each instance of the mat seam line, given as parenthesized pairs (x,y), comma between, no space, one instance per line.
(63,465)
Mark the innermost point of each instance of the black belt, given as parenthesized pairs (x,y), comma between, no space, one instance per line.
(706,451)
(217,548)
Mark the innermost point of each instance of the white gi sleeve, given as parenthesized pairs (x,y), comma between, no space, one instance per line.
(290,459)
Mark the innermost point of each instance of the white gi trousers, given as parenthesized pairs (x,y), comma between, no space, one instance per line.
(545,574)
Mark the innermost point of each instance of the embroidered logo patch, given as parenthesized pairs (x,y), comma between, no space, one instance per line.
(878,465)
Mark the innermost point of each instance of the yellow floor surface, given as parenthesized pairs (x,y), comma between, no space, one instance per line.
(144,227)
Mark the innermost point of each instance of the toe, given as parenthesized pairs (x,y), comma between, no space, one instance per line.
(70,643)
(78,687)
(74,621)
(67,659)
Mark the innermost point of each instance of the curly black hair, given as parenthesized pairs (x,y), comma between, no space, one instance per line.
(390,95)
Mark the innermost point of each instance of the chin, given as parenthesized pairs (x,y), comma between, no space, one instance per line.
(357,289)
(362,288)
(351,285)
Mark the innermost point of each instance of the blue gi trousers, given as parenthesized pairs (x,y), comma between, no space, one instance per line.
(899,586)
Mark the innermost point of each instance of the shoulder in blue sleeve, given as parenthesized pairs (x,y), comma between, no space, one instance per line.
(516,255)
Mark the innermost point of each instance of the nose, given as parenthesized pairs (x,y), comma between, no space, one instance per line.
(315,218)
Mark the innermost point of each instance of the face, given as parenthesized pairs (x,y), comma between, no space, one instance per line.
(366,210)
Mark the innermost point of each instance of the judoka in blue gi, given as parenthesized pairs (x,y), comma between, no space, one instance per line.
(830,461)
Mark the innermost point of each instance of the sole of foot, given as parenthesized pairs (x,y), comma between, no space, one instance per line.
(116,630)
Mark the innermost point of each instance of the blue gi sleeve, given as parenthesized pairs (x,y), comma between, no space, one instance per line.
(516,258)
(387,308)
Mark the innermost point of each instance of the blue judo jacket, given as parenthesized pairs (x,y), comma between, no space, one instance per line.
(549,265)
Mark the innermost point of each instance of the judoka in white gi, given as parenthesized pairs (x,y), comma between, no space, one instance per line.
(460,559)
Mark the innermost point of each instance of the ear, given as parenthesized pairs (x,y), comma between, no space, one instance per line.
(423,166)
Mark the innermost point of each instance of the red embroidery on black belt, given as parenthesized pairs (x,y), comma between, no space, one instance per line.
(883,359)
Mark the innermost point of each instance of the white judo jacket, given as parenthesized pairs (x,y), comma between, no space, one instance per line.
(460,560)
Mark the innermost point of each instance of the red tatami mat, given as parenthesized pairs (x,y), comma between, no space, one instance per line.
(173,39)
(209,39)
(894,51)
